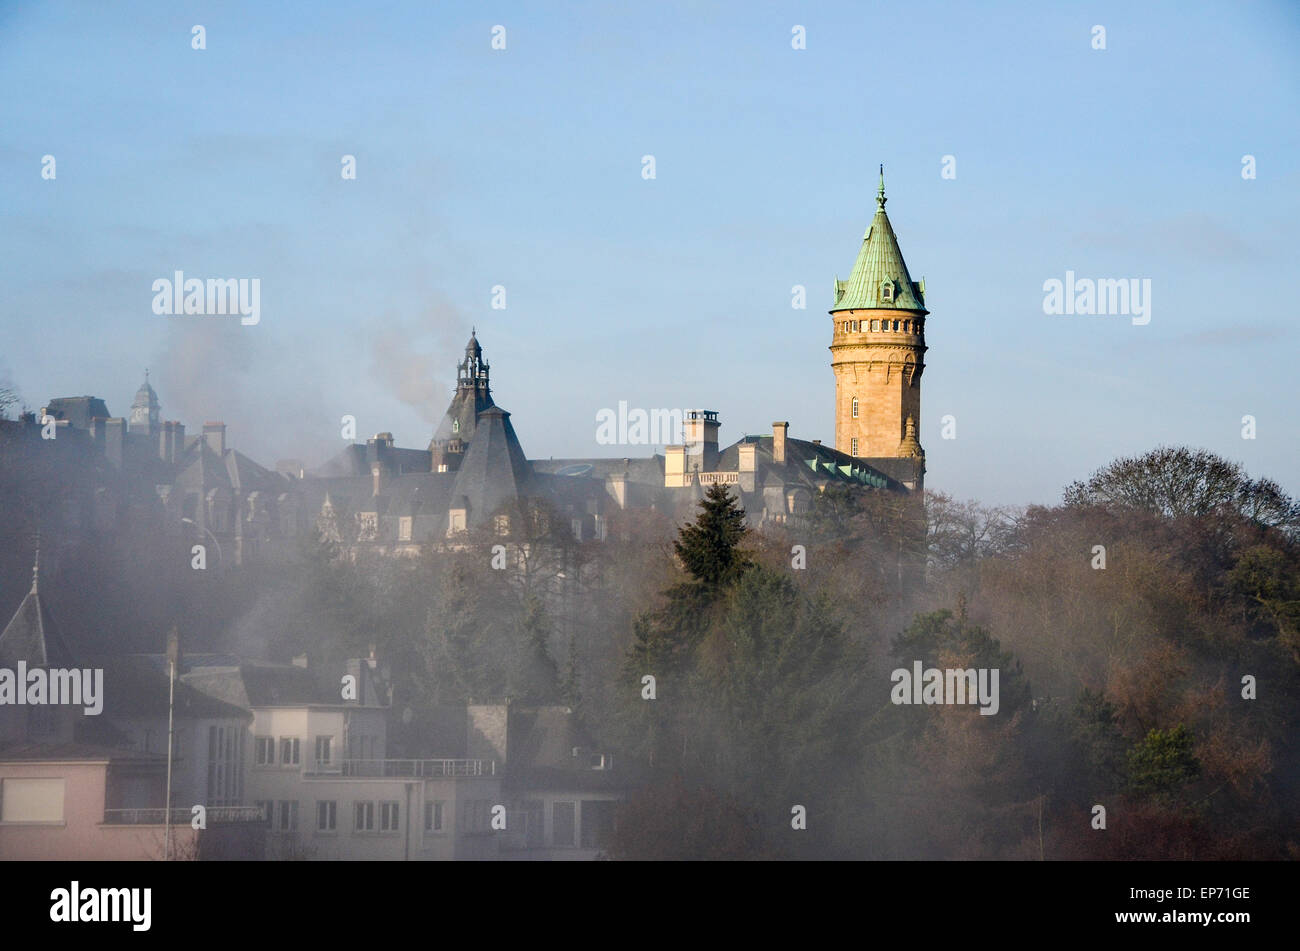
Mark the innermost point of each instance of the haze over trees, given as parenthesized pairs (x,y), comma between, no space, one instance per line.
(1147,634)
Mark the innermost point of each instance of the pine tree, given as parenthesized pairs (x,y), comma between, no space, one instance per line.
(709,548)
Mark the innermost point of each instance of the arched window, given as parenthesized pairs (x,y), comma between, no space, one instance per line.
(455,425)
(887,291)
(854,408)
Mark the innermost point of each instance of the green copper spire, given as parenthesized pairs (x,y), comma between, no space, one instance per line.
(879,279)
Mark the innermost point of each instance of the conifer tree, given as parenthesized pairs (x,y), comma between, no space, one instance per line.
(710,548)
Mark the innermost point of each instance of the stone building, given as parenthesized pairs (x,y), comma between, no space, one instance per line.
(877,354)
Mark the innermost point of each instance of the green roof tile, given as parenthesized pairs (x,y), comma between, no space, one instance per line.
(879,266)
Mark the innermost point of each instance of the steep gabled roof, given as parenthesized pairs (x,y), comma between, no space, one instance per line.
(31,635)
(879,264)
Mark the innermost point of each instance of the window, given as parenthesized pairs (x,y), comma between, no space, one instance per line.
(887,291)
(268,809)
(918,326)
(389,817)
(363,818)
(855,407)
(326,815)
(289,751)
(854,450)
(907,326)
(404,528)
(31,800)
(442,467)
(563,824)
(265,750)
(323,750)
(501,524)
(895,325)
(875,325)
(225,765)
(855,326)
(433,816)
(455,425)
(288,816)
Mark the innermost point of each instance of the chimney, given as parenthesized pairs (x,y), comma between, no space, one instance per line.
(215,436)
(779,432)
(701,437)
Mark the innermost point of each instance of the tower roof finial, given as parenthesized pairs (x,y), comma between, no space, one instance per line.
(36,564)
(880,195)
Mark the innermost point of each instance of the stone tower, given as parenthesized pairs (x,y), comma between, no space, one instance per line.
(877,351)
(473,396)
(145,412)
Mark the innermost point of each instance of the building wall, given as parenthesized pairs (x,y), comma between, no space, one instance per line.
(82,834)
(883,370)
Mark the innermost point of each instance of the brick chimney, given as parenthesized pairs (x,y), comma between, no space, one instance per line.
(779,432)
(214,434)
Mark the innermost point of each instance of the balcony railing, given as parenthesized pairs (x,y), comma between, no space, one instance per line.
(181,816)
(404,768)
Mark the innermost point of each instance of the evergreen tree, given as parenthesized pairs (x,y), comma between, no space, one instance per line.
(710,548)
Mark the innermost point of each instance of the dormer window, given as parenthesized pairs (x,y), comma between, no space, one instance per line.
(455,425)
(887,291)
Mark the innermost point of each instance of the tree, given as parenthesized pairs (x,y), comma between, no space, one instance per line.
(1163,763)
(1178,482)
(710,548)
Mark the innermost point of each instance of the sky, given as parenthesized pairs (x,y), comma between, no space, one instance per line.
(523,167)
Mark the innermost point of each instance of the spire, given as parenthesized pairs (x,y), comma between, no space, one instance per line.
(879,279)
(31,635)
(36,565)
(910,445)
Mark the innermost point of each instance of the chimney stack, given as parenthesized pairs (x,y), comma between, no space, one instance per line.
(215,436)
(779,432)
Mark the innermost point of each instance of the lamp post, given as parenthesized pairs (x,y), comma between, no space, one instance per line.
(173,655)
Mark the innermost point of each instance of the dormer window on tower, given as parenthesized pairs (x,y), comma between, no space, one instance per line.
(887,291)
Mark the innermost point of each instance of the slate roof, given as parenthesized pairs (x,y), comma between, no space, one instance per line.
(77,410)
(32,637)
(494,470)
(136,685)
(879,260)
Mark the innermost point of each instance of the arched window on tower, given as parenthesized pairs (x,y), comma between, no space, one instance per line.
(455,425)
(887,291)
(854,408)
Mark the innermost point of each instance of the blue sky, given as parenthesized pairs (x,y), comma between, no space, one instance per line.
(522,167)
